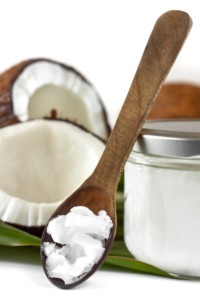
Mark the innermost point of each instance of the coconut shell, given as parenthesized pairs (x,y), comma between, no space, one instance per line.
(177,100)
(7,79)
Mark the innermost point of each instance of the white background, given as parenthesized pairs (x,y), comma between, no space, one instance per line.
(104,40)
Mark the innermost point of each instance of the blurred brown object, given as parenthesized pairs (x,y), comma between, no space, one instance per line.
(177,100)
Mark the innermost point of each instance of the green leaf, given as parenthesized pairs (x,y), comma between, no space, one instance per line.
(119,259)
(26,255)
(120,216)
(119,249)
(122,260)
(133,265)
(121,184)
(10,236)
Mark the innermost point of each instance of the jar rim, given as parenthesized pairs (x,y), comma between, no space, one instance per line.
(170,137)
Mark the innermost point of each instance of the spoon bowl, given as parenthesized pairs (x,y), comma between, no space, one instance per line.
(96,199)
(98,191)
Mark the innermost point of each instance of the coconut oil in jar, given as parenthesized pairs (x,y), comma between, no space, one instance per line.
(162,196)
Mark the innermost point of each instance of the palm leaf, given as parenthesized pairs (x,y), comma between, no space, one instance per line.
(119,257)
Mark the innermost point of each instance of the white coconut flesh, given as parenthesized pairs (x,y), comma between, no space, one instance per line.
(41,163)
(44,86)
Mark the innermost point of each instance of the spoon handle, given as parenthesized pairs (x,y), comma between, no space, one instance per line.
(164,44)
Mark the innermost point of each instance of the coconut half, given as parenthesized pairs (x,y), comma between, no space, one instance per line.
(42,162)
(40,88)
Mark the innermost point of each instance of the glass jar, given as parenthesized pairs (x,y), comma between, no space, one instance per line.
(162,196)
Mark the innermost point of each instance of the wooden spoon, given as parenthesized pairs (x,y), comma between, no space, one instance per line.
(98,191)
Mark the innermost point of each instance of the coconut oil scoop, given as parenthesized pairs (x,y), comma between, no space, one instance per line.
(80,233)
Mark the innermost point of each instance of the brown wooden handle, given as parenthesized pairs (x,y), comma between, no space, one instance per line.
(164,44)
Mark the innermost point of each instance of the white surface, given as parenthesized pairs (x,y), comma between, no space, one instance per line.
(29,282)
(104,40)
